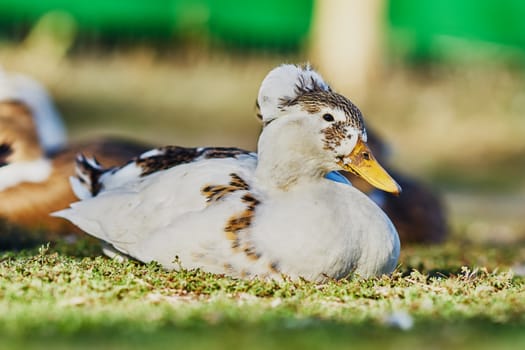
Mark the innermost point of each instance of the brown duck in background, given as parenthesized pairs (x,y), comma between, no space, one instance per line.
(417,213)
(32,184)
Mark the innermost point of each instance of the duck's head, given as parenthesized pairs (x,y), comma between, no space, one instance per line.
(305,116)
(25,90)
(22,158)
(18,135)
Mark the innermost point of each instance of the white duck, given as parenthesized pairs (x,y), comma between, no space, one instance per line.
(246,217)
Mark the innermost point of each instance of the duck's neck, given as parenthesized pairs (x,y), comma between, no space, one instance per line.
(287,159)
(282,173)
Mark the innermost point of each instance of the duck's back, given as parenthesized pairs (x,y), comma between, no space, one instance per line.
(188,200)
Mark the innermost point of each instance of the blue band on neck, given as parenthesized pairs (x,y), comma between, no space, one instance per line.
(337,177)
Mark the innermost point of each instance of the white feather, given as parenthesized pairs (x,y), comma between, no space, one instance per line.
(16,173)
(152,153)
(130,173)
(79,188)
(282,82)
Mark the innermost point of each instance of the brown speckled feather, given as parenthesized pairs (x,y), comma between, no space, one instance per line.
(170,156)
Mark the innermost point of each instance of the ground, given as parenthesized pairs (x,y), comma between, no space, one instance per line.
(456,295)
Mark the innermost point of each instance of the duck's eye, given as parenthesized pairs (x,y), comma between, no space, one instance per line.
(328,117)
(366,155)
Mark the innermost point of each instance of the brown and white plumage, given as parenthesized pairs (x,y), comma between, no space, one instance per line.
(50,130)
(252,216)
(32,184)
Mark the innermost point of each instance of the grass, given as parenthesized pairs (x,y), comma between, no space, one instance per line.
(458,294)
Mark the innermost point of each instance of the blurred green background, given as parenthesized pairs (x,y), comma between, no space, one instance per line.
(441,81)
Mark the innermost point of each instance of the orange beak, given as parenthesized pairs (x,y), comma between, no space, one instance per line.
(362,163)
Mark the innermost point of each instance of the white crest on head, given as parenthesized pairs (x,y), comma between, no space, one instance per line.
(50,128)
(284,82)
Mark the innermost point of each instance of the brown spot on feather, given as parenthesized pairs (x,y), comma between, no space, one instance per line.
(274,267)
(238,182)
(241,222)
(214,193)
(238,222)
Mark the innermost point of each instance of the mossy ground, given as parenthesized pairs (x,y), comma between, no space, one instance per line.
(456,295)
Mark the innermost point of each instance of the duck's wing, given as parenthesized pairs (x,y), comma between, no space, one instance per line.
(147,195)
(91,178)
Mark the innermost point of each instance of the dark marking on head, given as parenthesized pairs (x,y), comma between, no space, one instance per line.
(306,85)
(334,135)
(314,101)
(312,96)
(5,151)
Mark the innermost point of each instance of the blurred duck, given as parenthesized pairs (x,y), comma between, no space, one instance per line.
(36,162)
(50,130)
(228,211)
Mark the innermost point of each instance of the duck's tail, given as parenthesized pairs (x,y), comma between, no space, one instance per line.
(86,182)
